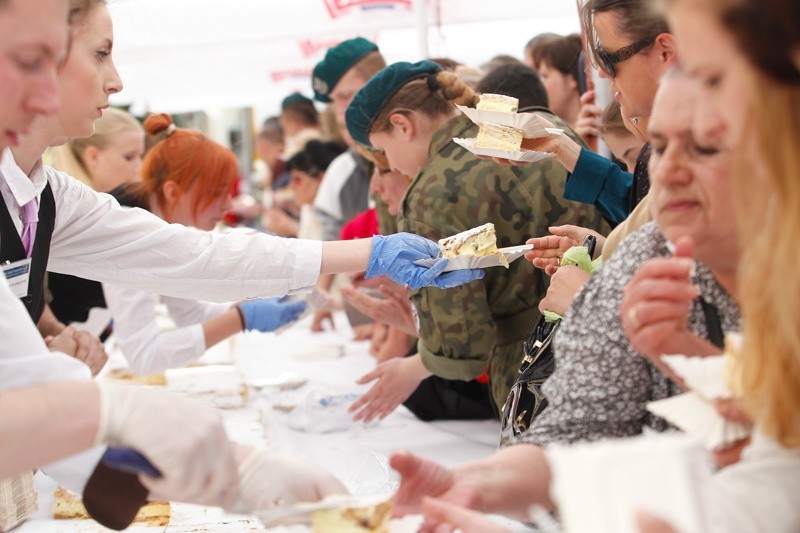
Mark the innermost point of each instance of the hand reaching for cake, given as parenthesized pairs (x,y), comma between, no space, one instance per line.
(268,480)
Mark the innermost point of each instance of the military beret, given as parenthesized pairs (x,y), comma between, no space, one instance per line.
(369,101)
(296,98)
(338,60)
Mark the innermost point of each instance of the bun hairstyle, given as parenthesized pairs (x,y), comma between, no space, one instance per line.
(188,158)
(433,96)
(315,158)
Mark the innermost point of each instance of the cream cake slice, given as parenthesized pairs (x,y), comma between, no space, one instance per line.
(359,514)
(498,102)
(497,137)
(68,506)
(478,241)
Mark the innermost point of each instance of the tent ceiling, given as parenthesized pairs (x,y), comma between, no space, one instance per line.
(180,55)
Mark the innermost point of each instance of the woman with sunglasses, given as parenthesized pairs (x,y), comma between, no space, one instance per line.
(632,47)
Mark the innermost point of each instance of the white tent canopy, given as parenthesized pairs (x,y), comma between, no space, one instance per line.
(183,55)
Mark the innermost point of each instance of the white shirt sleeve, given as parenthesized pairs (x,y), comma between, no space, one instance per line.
(759,493)
(25,361)
(186,312)
(96,238)
(148,348)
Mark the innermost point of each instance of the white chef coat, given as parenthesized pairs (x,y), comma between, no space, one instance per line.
(95,238)
(26,361)
(147,346)
(760,493)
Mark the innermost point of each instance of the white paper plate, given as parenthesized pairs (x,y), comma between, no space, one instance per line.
(703,375)
(525,156)
(533,126)
(699,417)
(462,262)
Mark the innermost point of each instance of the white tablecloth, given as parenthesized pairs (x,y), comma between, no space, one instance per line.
(355,455)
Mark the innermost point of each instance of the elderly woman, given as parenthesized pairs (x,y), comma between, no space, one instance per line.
(601,385)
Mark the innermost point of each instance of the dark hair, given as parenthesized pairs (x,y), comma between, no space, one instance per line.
(638,19)
(532,48)
(130,195)
(519,81)
(562,54)
(499,61)
(303,112)
(315,158)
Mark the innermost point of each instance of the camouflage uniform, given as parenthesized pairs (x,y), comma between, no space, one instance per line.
(462,328)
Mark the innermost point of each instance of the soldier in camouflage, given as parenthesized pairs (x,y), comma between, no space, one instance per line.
(483,323)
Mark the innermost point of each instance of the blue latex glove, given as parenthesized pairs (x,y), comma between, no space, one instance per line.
(394,256)
(268,314)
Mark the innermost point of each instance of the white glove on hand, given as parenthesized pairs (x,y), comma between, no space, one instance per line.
(268,480)
(182,437)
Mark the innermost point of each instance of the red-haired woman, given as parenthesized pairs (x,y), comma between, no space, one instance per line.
(186,179)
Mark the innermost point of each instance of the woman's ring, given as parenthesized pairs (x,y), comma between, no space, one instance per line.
(632,318)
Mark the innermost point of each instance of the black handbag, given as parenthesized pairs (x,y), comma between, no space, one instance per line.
(525,400)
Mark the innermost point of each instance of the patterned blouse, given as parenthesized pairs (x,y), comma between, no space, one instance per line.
(601,385)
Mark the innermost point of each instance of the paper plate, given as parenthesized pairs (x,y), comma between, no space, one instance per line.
(703,375)
(533,126)
(525,156)
(463,262)
(699,417)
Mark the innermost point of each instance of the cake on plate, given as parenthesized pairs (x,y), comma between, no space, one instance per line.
(478,241)
(68,506)
(498,102)
(370,515)
(497,137)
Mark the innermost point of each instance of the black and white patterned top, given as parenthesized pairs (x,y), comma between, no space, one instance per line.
(601,386)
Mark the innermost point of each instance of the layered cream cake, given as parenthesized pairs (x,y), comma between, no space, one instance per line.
(498,102)
(371,515)
(478,241)
(68,506)
(497,137)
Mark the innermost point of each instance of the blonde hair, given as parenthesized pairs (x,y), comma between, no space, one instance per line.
(69,157)
(417,96)
(767,192)
(769,361)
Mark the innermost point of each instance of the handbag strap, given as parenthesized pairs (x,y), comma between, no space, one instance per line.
(713,324)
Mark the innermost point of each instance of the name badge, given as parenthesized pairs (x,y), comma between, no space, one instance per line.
(18,274)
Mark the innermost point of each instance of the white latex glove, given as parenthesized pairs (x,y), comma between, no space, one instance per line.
(268,480)
(182,437)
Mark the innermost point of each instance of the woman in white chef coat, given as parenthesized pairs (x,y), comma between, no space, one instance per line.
(186,178)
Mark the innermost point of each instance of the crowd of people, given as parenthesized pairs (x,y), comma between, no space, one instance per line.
(694,213)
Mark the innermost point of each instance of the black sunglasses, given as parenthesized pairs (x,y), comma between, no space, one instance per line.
(608,61)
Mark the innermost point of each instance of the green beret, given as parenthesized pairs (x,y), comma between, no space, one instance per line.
(369,101)
(338,60)
(294,99)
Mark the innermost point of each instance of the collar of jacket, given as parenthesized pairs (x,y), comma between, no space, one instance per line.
(458,126)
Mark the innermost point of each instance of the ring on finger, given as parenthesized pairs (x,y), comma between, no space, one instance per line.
(633,319)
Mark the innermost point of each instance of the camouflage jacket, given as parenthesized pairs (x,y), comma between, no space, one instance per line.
(455,192)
